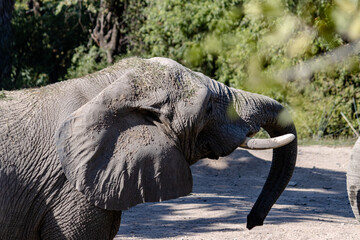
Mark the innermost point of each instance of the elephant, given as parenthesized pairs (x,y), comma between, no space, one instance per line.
(353,180)
(76,153)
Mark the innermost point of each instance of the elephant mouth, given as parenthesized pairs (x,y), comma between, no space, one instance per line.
(212,152)
(206,150)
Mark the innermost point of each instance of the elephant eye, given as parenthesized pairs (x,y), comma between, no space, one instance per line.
(209,108)
(151,116)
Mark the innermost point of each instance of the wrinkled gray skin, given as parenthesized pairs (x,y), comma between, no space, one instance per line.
(353,180)
(75,154)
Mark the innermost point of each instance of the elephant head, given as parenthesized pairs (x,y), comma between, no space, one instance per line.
(134,141)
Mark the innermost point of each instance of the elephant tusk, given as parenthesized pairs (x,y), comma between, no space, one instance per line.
(269,143)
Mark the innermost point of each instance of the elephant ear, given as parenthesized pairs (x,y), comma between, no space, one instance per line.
(112,153)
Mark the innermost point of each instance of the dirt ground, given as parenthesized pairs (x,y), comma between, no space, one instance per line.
(314,205)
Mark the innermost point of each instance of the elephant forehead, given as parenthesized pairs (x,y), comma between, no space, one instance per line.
(165,61)
(148,80)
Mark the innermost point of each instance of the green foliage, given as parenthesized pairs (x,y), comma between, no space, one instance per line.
(245,43)
(329,94)
(242,43)
(178,29)
(57,45)
(43,45)
(132,19)
(85,61)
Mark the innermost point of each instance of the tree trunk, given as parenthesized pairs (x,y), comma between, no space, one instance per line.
(117,26)
(6,8)
(34,6)
(106,31)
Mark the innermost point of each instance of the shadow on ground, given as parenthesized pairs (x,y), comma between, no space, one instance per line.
(224,192)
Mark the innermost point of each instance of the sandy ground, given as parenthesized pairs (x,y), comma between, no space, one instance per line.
(314,205)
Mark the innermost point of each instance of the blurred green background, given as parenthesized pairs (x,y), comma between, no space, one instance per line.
(244,44)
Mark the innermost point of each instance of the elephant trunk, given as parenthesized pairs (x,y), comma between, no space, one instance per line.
(270,115)
(353,180)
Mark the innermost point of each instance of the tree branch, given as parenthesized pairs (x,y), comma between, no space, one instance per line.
(306,69)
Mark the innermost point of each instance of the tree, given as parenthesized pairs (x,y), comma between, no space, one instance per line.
(106,31)
(245,44)
(116,23)
(6,8)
